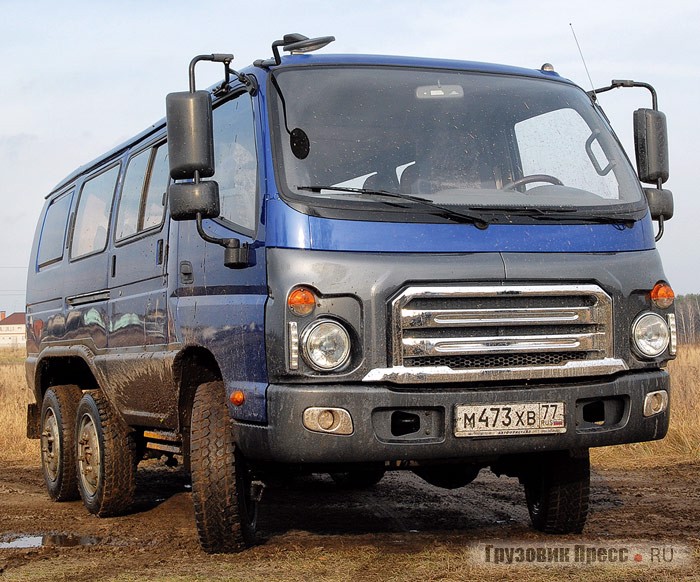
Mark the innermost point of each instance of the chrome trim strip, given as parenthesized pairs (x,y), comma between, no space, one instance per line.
(500,345)
(404,375)
(86,298)
(416,318)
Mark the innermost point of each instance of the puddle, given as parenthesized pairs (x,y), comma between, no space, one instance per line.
(57,541)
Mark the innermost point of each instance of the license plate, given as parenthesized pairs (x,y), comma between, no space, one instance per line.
(509,419)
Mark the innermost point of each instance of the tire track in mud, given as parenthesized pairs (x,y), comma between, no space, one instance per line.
(400,514)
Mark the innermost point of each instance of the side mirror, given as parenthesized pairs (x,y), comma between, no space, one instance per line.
(189,199)
(651,146)
(190,134)
(660,203)
(191,155)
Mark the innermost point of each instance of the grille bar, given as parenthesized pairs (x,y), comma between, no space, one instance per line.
(501,345)
(415,318)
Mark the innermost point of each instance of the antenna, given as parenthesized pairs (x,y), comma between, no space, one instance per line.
(582,59)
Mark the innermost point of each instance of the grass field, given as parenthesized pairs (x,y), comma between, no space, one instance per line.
(680,445)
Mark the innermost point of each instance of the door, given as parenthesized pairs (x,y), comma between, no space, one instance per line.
(137,274)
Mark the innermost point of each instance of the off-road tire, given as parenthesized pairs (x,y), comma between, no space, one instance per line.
(557,488)
(224,510)
(358,478)
(58,441)
(106,477)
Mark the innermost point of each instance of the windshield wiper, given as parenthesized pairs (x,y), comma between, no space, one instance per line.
(434,209)
(553,214)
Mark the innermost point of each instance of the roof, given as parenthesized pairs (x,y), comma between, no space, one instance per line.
(418,62)
(17,318)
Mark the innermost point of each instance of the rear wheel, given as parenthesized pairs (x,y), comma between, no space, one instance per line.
(58,441)
(225,509)
(557,490)
(105,457)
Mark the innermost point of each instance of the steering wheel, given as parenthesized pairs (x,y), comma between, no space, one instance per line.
(533,178)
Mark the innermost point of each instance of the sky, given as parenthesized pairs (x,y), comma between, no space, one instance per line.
(80,77)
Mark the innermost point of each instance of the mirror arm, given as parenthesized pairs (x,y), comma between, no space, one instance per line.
(235,253)
(617,83)
(658,236)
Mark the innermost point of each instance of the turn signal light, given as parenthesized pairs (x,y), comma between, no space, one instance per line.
(237,398)
(662,295)
(301,301)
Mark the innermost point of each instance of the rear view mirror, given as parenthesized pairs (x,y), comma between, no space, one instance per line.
(191,155)
(651,146)
(189,199)
(190,134)
(660,203)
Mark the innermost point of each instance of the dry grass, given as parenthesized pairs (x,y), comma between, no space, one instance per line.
(681,445)
(14,397)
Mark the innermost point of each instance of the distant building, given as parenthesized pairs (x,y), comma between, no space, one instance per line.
(13,331)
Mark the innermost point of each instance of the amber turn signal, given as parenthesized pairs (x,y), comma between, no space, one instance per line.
(301,301)
(237,398)
(662,295)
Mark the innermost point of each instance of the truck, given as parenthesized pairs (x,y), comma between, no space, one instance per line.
(351,264)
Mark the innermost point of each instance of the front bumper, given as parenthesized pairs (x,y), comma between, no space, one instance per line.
(598,413)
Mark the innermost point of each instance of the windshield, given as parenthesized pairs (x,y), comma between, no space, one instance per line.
(386,140)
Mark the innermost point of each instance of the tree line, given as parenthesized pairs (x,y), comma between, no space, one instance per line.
(688,318)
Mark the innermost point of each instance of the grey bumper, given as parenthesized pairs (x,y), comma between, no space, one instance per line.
(597,414)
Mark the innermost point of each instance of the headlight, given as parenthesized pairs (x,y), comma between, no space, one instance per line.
(326,345)
(650,334)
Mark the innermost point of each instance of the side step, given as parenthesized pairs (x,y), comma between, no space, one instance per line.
(161,440)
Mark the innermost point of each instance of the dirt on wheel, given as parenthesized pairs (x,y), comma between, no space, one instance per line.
(312,529)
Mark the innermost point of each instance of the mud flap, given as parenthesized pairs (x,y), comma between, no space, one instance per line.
(33,421)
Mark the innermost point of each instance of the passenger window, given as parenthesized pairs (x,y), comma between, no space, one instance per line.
(157,186)
(53,231)
(130,201)
(236,161)
(92,218)
(141,205)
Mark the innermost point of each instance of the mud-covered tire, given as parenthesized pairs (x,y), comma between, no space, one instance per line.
(224,510)
(557,488)
(358,478)
(105,450)
(58,441)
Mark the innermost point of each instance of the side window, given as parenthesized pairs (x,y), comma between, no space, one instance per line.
(92,217)
(130,201)
(141,205)
(154,203)
(236,161)
(53,231)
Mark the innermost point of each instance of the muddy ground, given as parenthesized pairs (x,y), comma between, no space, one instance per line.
(401,529)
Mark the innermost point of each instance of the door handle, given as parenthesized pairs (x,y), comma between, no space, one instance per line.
(186,273)
(159,252)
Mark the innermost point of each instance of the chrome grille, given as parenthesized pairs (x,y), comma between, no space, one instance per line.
(499,333)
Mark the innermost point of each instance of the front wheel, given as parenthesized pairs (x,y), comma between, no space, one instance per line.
(105,457)
(225,508)
(557,488)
